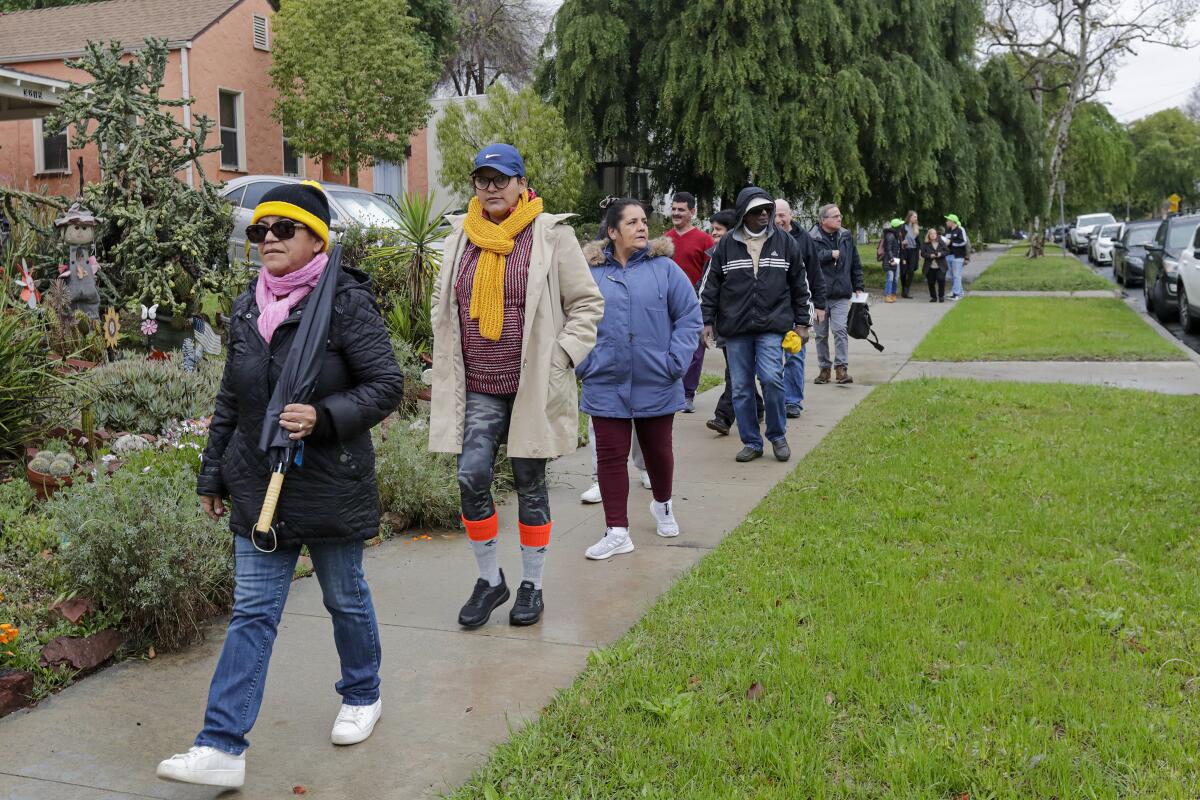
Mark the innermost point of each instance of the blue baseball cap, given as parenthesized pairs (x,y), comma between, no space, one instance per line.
(503,158)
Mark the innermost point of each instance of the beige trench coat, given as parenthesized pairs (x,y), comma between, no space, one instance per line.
(562,308)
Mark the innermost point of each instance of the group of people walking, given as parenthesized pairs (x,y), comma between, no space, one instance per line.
(528,329)
(942,257)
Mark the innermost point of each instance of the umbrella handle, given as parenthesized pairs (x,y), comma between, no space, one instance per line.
(269,502)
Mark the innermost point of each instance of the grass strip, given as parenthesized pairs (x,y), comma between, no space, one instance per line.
(1044,329)
(967,589)
(1013,272)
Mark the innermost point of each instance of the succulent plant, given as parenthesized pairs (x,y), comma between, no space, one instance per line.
(143,396)
(129,443)
(39,463)
(60,469)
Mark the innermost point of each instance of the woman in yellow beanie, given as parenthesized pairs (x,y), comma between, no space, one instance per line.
(514,310)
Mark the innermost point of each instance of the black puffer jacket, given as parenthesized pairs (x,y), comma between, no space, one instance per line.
(844,275)
(332,496)
(736,300)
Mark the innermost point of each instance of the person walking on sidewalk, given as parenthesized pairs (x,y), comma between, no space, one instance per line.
(910,253)
(592,495)
(890,247)
(843,270)
(934,254)
(633,379)
(514,309)
(691,254)
(331,505)
(754,292)
(958,253)
(723,417)
(793,364)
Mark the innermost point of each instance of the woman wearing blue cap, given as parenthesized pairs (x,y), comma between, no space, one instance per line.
(515,309)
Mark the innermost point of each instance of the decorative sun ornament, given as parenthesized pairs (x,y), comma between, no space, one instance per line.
(112,328)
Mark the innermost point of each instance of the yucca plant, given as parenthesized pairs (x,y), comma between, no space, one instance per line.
(416,257)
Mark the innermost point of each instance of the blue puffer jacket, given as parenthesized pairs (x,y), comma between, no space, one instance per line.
(645,341)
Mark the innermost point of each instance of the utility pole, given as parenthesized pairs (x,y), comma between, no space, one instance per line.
(1062,216)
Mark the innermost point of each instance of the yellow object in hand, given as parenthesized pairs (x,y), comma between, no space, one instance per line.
(792,342)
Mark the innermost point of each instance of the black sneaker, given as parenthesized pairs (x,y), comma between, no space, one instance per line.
(782,451)
(793,410)
(484,600)
(719,425)
(748,454)
(529,607)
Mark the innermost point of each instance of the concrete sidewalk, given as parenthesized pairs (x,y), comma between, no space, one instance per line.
(450,696)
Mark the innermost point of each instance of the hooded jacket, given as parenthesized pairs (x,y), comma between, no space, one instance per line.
(740,303)
(891,247)
(332,495)
(647,337)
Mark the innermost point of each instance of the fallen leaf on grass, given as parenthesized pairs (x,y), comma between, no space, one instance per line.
(962,796)
(694,681)
(829,698)
(755,691)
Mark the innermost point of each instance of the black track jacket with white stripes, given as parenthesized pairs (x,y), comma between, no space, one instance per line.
(738,302)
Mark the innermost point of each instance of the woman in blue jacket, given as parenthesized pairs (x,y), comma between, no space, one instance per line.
(634,376)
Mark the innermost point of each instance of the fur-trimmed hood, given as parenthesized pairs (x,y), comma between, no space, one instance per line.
(594,251)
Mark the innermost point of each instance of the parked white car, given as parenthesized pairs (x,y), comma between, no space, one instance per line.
(1077,236)
(1189,285)
(347,206)
(1100,247)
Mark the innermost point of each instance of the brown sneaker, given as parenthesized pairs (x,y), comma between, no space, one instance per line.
(842,375)
(824,376)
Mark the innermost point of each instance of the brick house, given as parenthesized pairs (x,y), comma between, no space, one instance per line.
(219,54)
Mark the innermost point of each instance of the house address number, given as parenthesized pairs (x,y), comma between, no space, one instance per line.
(32,93)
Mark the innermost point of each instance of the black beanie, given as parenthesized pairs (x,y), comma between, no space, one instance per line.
(305,203)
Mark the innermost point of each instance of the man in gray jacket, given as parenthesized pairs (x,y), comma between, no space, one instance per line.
(843,271)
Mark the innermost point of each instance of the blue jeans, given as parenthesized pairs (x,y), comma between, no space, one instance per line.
(889,283)
(750,355)
(793,378)
(261,587)
(955,265)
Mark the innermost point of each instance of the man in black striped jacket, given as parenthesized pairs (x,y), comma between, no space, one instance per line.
(755,291)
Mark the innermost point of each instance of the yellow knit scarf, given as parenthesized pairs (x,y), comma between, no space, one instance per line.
(495,242)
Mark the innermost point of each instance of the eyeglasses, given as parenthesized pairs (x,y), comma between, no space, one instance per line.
(499,181)
(283,229)
(761,210)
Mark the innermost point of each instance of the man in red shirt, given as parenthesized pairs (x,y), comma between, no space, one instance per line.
(691,246)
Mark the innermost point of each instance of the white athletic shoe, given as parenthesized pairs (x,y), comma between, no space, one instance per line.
(664,517)
(205,765)
(645,478)
(355,723)
(615,542)
(592,495)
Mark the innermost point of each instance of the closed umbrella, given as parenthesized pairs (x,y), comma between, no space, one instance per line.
(296,384)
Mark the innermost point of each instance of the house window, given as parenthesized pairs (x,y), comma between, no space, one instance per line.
(262,40)
(50,151)
(293,162)
(233,139)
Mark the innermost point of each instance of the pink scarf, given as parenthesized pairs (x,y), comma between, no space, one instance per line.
(277,296)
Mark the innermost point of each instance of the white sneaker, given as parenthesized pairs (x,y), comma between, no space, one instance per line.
(664,517)
(205,765)
(645,478)
(615,542)
(592,495)
(355,723)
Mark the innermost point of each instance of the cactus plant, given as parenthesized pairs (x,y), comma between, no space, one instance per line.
(40,463)
(60,469)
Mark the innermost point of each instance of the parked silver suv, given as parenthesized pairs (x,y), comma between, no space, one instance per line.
(347,206)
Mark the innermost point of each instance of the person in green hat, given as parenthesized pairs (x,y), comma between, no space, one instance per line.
(891,257)
(958,253)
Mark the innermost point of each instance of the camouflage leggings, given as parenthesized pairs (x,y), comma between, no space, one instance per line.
(485,427)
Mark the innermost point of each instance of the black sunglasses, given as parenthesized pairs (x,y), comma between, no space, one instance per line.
(758,210)
(282,228)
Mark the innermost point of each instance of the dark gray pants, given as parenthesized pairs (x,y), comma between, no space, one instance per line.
(484,429)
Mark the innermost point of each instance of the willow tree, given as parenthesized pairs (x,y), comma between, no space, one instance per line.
(852,101)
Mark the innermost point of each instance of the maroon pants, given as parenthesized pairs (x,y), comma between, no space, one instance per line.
(612,458)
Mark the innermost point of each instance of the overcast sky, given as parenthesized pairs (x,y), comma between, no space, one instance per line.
(1156,78)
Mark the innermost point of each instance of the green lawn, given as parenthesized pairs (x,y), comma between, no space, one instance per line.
(1051,273)
(873,275)
(967,589)
(1044,329)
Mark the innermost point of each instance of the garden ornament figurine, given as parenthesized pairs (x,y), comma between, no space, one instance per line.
(29,293)
(78,230)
